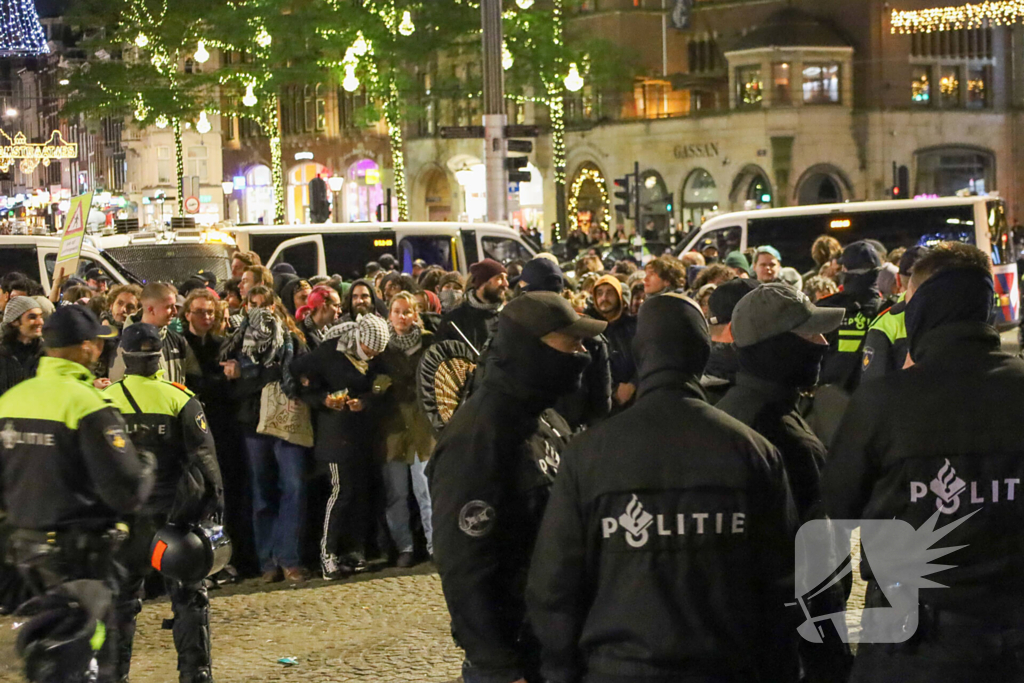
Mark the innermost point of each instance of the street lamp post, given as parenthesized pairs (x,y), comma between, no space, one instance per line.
(335,184)
(228,187)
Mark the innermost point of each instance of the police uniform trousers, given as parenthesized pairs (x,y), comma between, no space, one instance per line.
(947,647)
(190,625)
(45,561)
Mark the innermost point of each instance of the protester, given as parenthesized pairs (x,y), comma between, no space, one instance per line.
(405,434)
(825,251)
(158,306)
(885,346)
(12,285)
(610,306)
(255,276)
(363,300)
(637,295)
(257,358)
(232,295)
(767,263)
(738,263)
(123,304)
(791,277)
(489,477)
(323,306)
(663,274)
(21,342)
(817,288)
(338,383)
(937,446)
(241,260)
(722,366)
(715,274)
(655,561)
(474,320)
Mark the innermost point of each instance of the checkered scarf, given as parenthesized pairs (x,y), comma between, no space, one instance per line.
(406,343)
(370,329)
(263,336)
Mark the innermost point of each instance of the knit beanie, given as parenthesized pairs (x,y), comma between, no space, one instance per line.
(17,307)
(482,271)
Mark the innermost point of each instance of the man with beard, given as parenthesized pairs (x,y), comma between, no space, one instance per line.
(609,306)
(489,481)
(362,300)
(475,320)
(938,445)
(666,552)
(124,303)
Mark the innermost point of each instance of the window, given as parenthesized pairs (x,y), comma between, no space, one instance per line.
(348,253)
(921,86)
(321,108)
(309,109)
(977,88)
(19,259)
(725,240)
(196,162)
(302,256)
(781,94)
(163,165)
(504,249)
(949,86)
(821,83)
(749,86)
(436,250)
(469,246)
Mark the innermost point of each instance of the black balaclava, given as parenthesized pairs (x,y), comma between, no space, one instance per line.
(672,343)
(951,296)
(787,359)
(541,371)
(145,364)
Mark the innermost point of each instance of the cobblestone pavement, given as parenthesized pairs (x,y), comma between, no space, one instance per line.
(390,626)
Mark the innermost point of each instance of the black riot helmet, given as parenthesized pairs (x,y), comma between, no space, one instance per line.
(190,553)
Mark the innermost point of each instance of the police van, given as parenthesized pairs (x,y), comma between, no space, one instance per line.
(980,221)
(345,248)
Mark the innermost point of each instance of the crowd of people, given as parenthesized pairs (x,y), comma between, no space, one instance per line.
(717,399)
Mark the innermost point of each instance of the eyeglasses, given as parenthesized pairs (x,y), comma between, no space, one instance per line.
(203,311)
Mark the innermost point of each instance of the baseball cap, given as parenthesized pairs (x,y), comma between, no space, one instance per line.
(723,300)
(96,274)
(540,313)
(776,308)
(540,275)
(141,338)
(768,249)
(72,325)
(910,258)
(860,256)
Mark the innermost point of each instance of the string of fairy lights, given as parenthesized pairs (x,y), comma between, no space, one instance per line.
(21,34)
(588,175)
(956,17)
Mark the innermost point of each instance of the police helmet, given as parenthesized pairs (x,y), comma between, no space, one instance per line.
(62,631)
(190,553)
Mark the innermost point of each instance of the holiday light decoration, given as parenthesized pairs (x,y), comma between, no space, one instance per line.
(263,38)
(406,28)
(203,124)
(249,99)
(507,60)
(20,31)
(141,40)
(524,4)
(161,122)
(351,82)
(201,55)
(954,18)
(573,81)
(585,175)
(31,154)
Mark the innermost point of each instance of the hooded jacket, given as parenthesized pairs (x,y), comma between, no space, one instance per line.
(18,361)
(379,307)
(477,323)
(862,301)
(489,479)
(619,333)
(666,551)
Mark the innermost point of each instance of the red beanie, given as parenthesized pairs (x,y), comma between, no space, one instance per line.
(482,271)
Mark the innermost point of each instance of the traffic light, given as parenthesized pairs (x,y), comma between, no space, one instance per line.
(668,203)
(516,167)
(902,189)
(625,208)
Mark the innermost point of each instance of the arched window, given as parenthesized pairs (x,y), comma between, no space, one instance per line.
(699,198)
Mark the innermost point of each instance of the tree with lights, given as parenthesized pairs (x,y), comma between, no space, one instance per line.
(21,34)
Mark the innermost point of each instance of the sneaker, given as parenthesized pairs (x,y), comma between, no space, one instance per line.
(354,563)
(272,575)
(331,570)
(405,560)
(296,575)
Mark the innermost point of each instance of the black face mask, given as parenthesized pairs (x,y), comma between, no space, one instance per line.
(144,365)
(787,359)
(558,372)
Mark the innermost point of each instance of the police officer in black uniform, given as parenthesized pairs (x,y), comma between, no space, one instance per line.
(489,481)
(941,444)
(165,418)
(666,552)
(70,475)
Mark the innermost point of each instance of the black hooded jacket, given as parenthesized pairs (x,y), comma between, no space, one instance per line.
(862,301)
(379,307)
(477,324)
(18,361)
(666,551)
(489,480)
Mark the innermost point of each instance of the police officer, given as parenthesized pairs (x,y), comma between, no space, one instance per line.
(938,446)
(666,552)
(885,347)
(489,481)
(168,420)
(70,473)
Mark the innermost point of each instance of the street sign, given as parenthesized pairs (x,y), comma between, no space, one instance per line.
(192,204)
(513,197)
(74,234)
(460,132)
(516,131)
(521,146)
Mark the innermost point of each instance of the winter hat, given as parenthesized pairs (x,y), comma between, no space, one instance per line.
(541,275)
(46,305)
(449,278)
(724,298)
(482,271)
(736,259)
(17,307)
(435,303)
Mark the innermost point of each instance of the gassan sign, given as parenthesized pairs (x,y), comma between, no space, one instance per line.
(701,150)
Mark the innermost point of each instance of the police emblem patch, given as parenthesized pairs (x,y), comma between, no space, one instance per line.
(116,438)
(201,421)
(476,518)
(869,354)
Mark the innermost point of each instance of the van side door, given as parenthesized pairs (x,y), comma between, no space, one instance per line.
(305,254)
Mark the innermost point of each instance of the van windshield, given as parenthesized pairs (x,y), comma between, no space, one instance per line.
(794,235)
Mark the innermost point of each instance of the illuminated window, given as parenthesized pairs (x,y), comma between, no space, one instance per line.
(749,86)
(949,86)
(821,83)
(977,88)
(921,86)
(781,93)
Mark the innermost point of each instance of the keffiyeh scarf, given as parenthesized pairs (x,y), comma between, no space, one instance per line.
(263,337)
(407,343)
(370,329)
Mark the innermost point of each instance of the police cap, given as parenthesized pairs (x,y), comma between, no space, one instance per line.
(72,325)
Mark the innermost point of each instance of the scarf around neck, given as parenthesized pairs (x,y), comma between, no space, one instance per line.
(407,343)
(263,336)
(475,302)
